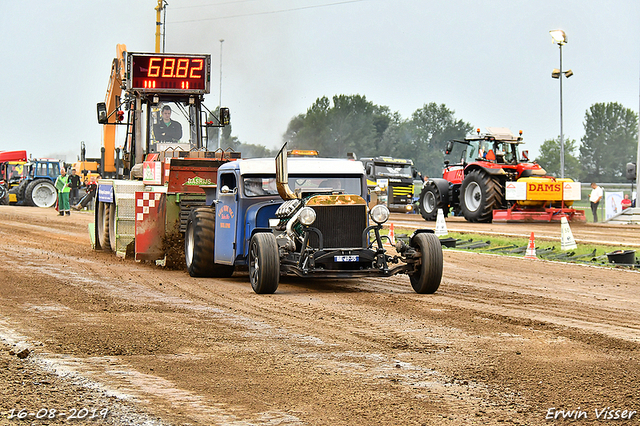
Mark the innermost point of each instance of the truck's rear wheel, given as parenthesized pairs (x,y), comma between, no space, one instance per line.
(426,279)
(199,245)
(480,194)
(431,201)
(41,193)
(264,263)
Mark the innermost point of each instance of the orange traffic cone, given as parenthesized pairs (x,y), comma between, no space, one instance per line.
(392,236)
(531,249)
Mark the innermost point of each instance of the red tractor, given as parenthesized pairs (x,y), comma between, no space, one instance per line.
(476,187)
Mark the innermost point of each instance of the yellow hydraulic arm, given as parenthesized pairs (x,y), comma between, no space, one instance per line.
(112,100)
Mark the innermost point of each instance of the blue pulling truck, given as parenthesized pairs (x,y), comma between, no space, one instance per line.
(306,217)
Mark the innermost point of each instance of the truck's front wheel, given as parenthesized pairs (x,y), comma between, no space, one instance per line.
(199,245)
(426,279)
(264,263)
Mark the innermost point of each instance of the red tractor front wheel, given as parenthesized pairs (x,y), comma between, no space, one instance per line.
(431,201)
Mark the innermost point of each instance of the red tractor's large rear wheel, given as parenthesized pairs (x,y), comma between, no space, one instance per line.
(480,195)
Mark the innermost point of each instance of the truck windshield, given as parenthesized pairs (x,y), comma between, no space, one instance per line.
(256,186)
(16,171)
(400,170)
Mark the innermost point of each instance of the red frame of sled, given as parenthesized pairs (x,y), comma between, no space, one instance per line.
(548,214)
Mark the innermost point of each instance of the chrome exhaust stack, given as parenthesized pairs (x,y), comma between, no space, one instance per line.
(282,175)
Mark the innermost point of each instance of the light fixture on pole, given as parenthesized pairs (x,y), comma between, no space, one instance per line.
(560,38)
(220,94)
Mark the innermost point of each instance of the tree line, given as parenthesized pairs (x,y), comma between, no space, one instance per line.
(609,143)
(352,124)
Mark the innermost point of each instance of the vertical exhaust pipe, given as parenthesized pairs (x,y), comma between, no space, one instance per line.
(282,175)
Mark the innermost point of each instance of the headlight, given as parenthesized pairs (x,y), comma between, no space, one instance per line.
(380,214)
(307,216)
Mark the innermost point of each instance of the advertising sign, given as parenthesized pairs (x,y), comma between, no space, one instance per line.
(516,191)
(612,204)
(571,191)
(105,192)
(152,172)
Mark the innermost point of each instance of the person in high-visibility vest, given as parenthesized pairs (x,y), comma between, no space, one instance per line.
(62,185)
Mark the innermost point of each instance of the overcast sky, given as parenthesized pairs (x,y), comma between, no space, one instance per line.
(488,61)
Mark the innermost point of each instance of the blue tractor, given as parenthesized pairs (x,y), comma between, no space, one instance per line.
(37,188)
(320,226)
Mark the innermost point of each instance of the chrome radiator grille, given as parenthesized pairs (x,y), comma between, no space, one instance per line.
(341,226)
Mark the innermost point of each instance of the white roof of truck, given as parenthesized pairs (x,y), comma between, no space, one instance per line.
(297,166)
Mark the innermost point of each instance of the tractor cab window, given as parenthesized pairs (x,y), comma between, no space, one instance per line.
(510,153)
(54,170)
(169,127)
(476,150)
(460,152)
(47,169)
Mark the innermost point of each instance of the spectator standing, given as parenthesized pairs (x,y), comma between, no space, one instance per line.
(626,202)
(595,196)
(74,185)
(62,185)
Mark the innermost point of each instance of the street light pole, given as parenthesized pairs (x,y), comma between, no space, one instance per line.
(561,120)
(220,94)
(560,38)
(637,163)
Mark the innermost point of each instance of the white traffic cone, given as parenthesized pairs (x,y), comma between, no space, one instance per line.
(566,236)
(531,249)
(441,225)
(392,236)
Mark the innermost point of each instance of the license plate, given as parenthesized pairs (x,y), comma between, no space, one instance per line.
(350,258)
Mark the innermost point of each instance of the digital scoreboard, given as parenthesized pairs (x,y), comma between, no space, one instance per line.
(168,73)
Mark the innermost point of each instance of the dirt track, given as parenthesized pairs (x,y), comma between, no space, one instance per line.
(504,340)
